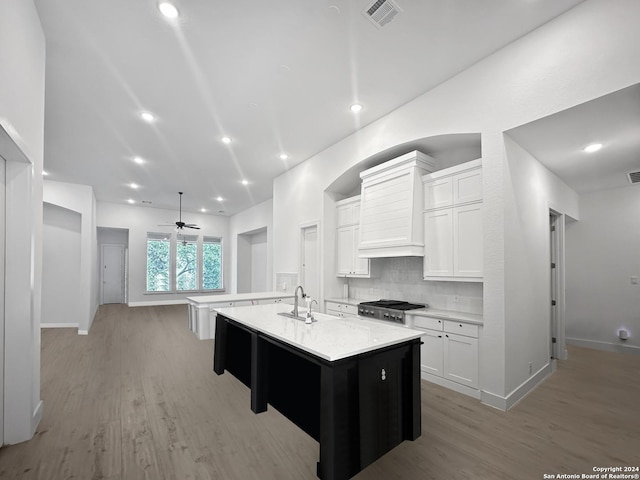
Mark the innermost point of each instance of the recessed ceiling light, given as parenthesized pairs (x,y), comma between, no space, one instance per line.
(219,199)
(355,108)
(283,156)
(245,182)
(594,147)
(226,140)
(45,173)
(134,186)
(131,200)
(138,160)
(168,10)
(147,116)
(203,210)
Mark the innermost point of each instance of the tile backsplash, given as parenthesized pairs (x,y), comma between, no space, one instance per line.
(401,279)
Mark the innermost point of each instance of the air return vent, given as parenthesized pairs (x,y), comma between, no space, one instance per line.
(634,177)
(381,12)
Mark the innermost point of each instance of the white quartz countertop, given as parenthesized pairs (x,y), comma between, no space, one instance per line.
(331,338)
(475,318)
(238,297)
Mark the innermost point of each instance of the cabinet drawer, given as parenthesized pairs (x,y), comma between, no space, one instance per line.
(428,322)
(349,310)
(461,328)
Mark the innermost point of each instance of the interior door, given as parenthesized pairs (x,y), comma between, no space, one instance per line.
(112,274)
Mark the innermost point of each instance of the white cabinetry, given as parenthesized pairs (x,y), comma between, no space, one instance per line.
(349,264)
(449,352)
(453,223)
(391,208)
(340,309)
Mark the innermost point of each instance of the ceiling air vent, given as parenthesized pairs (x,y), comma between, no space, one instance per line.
(381,12)
(634,177)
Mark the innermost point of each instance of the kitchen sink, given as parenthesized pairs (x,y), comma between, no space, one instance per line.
(291,315)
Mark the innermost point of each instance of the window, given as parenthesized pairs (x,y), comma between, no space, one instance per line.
(158,262)
(187,262)
(212,263)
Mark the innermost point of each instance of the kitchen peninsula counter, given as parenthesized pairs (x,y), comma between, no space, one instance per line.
(351,384)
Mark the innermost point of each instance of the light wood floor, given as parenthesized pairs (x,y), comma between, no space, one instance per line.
(137,399)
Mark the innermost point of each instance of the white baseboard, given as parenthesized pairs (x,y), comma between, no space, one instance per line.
(608,347)
(155,303)
(456,387)
(58,325)
(505,403)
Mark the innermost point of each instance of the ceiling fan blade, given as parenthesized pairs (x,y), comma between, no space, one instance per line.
(193,226)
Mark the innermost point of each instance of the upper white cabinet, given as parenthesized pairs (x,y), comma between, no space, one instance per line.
(391,223)
(453,223)
(349,264)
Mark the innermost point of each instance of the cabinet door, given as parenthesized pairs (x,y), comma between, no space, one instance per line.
(467,241)
(344,214)
(344,254)
(431,352)
(467,187)
(361,265)
(438,254)
(438,193)
(461,359)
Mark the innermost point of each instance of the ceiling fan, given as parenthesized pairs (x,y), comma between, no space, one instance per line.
(180,224)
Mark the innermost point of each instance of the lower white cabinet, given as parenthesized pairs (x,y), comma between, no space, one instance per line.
(340,309)
(449,350)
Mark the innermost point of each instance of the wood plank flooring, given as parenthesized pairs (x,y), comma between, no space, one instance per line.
(138,399)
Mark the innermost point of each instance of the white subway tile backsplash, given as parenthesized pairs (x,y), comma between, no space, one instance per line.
(401,279)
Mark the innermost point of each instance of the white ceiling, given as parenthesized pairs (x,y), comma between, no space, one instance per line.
(557,141)
(275,76)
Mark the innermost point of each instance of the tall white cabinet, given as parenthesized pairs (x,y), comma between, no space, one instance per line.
(453,223)
(348,263)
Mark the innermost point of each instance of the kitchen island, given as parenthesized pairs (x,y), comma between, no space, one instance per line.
(351,384)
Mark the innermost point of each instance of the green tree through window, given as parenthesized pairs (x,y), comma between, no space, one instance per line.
(212,264)
(187,262)
(158,263)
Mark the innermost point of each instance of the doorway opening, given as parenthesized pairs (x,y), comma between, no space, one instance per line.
(252,259)
(310,260)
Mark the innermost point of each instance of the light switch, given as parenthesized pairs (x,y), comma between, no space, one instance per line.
(634,280)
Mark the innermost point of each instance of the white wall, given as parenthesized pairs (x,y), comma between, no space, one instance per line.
(530,191)
(255,218)
(139,221)
(22,88)
(602,254)
(61,248)
(586,53)
(80,199)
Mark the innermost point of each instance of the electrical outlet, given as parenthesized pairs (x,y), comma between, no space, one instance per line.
(456,298)
(284,286)
(530,368)
(634,280)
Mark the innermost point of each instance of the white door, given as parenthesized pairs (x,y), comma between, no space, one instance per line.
(310,273)
(2,273)
(112,274)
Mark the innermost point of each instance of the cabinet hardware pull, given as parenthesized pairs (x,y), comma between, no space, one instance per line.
(383,374)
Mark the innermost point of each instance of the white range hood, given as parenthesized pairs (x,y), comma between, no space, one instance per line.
(391,223)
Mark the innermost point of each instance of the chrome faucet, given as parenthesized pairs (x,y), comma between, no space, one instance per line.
(295,299)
